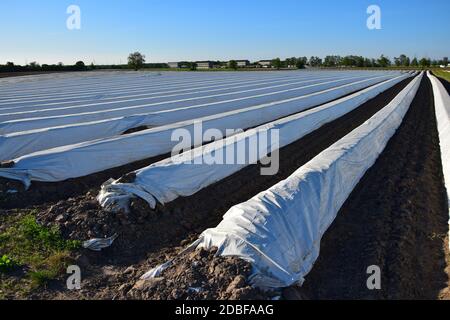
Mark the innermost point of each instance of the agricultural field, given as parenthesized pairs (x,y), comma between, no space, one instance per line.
(127,176)
(445,74)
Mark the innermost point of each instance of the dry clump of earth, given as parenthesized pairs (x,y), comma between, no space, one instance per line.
(200,275)
(83,218)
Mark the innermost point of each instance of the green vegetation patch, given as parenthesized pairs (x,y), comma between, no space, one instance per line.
(6,263)
(40,251)
(442,74)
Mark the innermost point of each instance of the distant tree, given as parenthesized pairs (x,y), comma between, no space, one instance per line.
(216,64)
(192,66)
(10,64)
(347,61)
(404,60)
(414,63)
(34,66)
(384,61)
(328,62)
(276,63)
(233,64)
(424,62)
(332,61)
(300,63)
(315,62)
(79,65)
(293,62)
(359,61)
(407,62)
(136,60)
(290,62)
(354,61)
(368,63)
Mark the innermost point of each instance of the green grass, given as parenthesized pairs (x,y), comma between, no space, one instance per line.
(39,250)
(6,263)
(442,74)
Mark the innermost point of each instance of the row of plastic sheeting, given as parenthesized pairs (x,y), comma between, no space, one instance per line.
(203,166)
(82,159)
(106,84)
(161,100)
(100,87)
(27,142)
(164,112)
(442,107)
(280,229)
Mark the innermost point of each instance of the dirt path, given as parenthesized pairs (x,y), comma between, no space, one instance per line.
(396,218)
(148,238)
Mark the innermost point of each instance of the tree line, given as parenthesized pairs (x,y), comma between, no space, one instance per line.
(381,62)
(34,66)
(136,61)
(335,61)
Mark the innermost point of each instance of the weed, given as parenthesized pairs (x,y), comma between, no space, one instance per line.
(43,250)
(41,278)
(6,263)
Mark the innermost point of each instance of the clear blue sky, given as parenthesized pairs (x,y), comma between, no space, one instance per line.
(171,30)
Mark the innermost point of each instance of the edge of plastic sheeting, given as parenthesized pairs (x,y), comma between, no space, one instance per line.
(442,111)
(18,175)
(279,230)
(159,181)
(158,270)
(115,196)
(97,244)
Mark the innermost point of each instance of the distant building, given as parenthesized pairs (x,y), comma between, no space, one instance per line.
(174,64)
(242,63)
(205,64)
(265,63)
